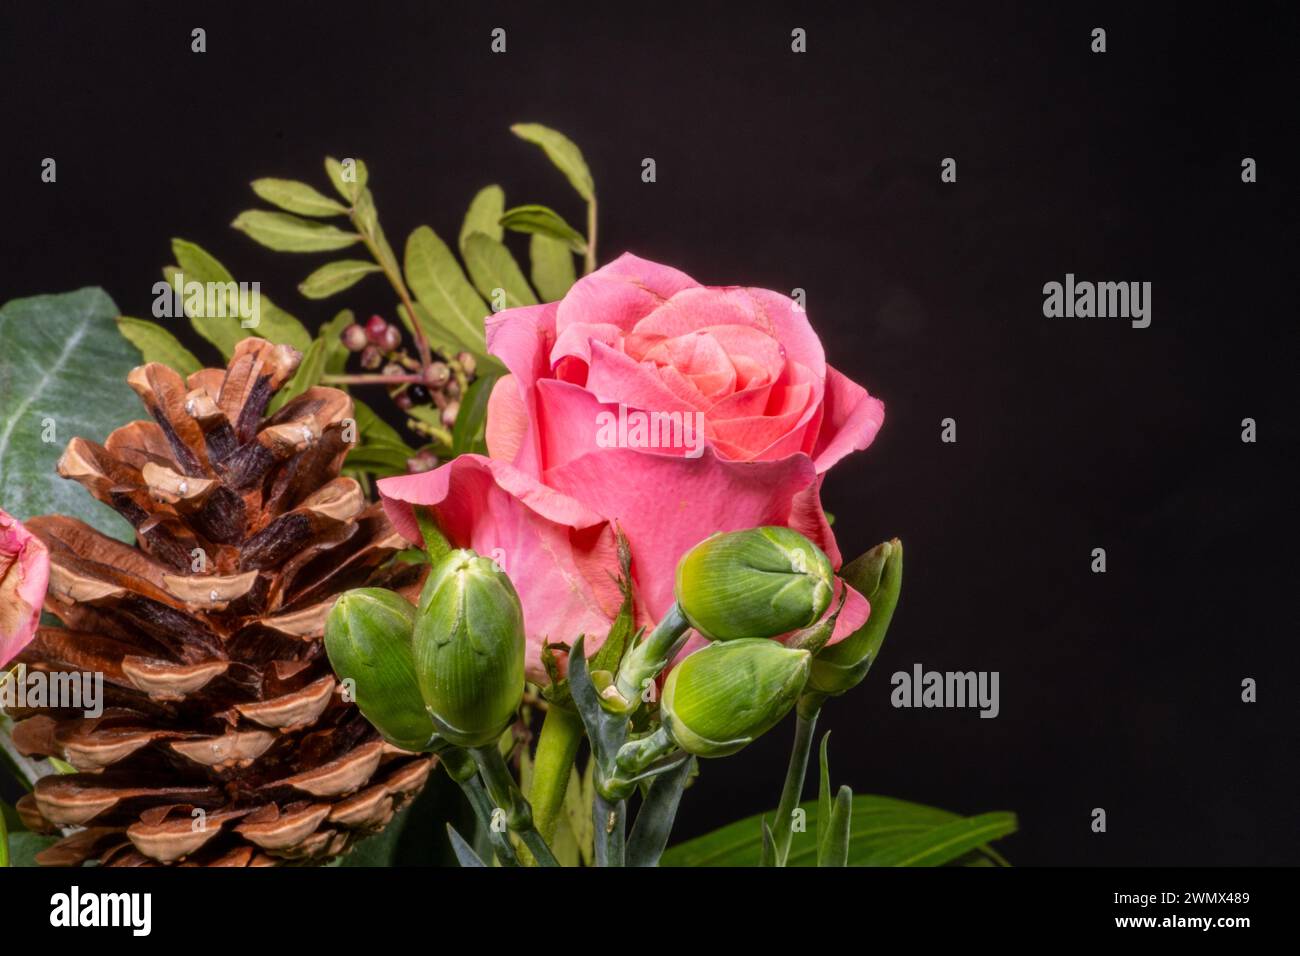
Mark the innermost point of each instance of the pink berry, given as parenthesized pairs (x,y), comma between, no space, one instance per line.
(375,329)
(371,358)
(437,374)
(449,413)
(392,339)
(467,363)
(353,338)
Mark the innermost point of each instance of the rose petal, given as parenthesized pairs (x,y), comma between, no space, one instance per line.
(850,420)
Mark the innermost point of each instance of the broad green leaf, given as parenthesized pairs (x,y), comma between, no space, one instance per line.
(222,311)
(484,215)
(471,421)
(297,197)
(308,374)
(23,847)
(334,277)
(492,267)
(880,827)
(336,353)
(561,151)
(541,221)
(288,233)
(156,344)
(349,189)
(948,842)
(436,278)
(552,268)
(63,368)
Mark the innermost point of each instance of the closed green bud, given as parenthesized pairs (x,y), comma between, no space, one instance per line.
(756,583)
(878,575)
(724,695)
(469,649)
(368,640)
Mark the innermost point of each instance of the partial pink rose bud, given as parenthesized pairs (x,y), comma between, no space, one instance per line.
(24,574)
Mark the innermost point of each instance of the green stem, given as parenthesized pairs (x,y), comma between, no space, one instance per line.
(805,725)
(4,842)
(503,790)
(478,799)
(610,819)
(557,748)
(647,659)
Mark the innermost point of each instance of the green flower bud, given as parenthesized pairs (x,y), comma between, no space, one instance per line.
(469,649)
(878,575)
(756,583)
(368,640)
(724,695)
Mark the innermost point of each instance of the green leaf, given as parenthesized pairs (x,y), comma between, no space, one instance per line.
(435,277)
(63,368)
(484,215)
(561,151)
(492,267)
(287,233)
(880,828)
(471,421)
(541,221)
(334,277)
(308,374)
(380,449)
(297,197)
(552,269)
(948,842)
(823,794)
(834,851)
(198,264)
(156,344)
(336,353)
(24,846)
(351,191)
(225,329)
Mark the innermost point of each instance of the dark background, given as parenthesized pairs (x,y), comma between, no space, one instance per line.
(821,171)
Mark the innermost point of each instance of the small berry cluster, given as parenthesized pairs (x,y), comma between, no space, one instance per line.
(441,383)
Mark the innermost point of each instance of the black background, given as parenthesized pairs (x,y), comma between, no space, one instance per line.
(1118,690)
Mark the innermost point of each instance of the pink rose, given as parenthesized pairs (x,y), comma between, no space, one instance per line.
(597,426)
(24,573)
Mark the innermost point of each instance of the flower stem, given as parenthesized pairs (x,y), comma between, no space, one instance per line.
(647,659)
(395,279)
(610,818)
(503,790)
(371,379)
(557,747)
(805,725)
(461,768)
